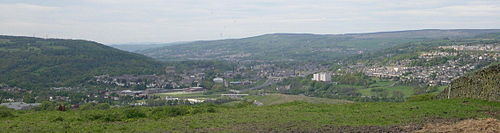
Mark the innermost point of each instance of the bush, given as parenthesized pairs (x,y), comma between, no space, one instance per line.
(211,110)
(46,105)
(98,115)
(6,112)
(92,115)
(90,106)
(102,106)
(134,113)
(244,104)
(176,111)
(87,106)
(112,116)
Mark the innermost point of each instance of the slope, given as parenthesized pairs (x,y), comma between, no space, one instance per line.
(483,84)
(34,62)
(290,117)
(300,47)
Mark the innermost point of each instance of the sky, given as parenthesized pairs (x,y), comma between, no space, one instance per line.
(136,21)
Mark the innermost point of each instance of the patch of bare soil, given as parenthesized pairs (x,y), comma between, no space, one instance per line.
(426,126)
(489,125)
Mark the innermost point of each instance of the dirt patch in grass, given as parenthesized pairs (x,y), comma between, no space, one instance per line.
(489,125)
(301,127)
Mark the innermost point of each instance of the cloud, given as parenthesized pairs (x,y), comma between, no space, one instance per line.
(29,7)
(454,11)
(121,21)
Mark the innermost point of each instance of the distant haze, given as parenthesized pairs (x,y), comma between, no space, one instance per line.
(125,21)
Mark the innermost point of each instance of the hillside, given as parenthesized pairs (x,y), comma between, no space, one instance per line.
(34,62)
(300,47)
(483,84)
(290,117)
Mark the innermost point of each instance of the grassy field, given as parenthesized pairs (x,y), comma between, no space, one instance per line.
(387,86)
(295,116)
(273,99)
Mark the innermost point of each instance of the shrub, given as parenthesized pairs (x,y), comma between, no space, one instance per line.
(87,106)
(244,104)
(90,106)
(94,115)
(102,106)
(134,113)
(176,111)
(205,108)
(112,116)
(98,115)
(6,112)
(173,111)
(46,105)
(211,110)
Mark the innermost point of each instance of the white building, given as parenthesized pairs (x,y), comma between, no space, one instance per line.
(322,77)
(218,80)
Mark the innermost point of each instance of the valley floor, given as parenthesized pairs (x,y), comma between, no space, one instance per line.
(287,117)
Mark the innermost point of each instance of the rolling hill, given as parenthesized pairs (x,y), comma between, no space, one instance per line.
(301,47)
(34,62)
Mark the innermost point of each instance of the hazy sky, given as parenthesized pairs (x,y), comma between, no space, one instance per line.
(124,21)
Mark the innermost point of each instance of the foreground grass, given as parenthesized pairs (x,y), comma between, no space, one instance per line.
(299,116)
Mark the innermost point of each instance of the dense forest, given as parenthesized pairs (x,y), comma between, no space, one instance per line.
(34,62)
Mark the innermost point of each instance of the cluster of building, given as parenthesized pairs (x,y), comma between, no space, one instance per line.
(440,74)
(434,54)
(147,92)
(480,47)
(386,71)
(149,81)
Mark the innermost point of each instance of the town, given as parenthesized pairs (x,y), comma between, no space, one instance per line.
(437,67)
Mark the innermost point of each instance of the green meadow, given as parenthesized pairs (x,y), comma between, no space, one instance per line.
(245,117)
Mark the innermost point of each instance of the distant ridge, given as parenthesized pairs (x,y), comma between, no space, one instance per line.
(133,47)
(302,46)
